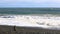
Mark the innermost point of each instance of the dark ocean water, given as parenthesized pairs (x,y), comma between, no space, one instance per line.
(29,10)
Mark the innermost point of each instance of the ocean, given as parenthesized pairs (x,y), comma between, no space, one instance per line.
(29,10)
(18,20)
(21,17)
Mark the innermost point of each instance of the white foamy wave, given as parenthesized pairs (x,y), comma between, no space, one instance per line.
(44,21)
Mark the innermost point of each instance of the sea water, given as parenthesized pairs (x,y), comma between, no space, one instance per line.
(30,17)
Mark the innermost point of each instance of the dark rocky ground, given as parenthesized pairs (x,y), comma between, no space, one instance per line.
(25,30)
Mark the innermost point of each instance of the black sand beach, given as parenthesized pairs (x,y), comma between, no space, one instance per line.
(25,30)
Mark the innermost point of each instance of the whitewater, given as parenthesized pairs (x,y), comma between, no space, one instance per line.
(47,21)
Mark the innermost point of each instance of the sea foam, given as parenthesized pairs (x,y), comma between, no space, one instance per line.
(44,21)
